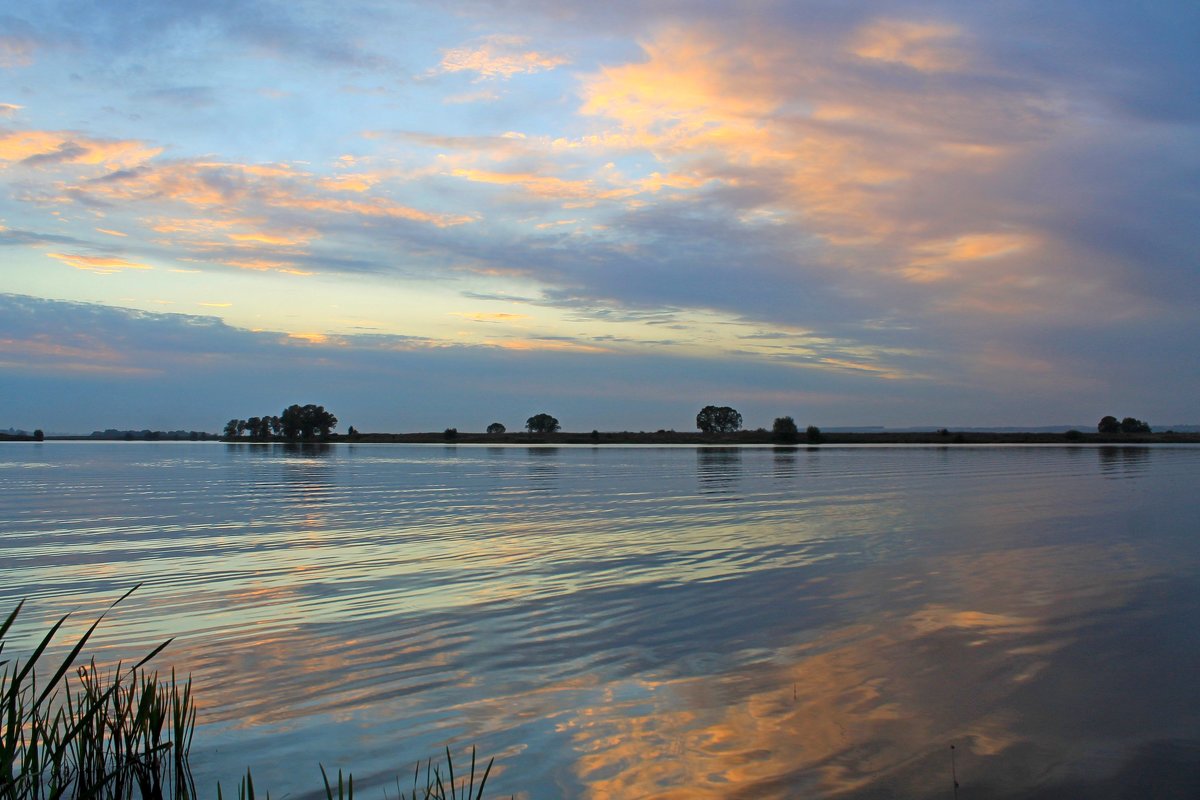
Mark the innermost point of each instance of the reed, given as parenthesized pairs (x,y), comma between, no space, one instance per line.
(102,736)
(122,733)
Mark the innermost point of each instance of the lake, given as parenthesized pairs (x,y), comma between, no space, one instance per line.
(642,621)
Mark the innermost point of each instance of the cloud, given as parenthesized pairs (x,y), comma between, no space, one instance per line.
(493,316)
(545,186)
(989,188)
(926,47)
(49,148)
(499,56)
(101,265)
(18,42)
(243,187)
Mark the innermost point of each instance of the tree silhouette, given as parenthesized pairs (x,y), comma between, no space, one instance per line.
(718,419)
(496,428)
(1109,425)
(1131,425)
(541,423)
(785,429)
(306,421)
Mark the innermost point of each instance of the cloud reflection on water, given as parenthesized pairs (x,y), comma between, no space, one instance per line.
(831,632)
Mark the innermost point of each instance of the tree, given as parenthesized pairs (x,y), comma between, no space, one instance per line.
(1109,425)
(813,434)
(496,428)
(306,421)
(718,419)
(39,435)
(541,423)
(785,429)
(1131,425)
(450,434)
(231,428)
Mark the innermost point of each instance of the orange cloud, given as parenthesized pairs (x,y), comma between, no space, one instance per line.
(889,373)
(544,344)
(926,47)
(292,238)
(310,338)
(358,182)
(61,147)
(936,260)
(101,265)
(239,187)
(714,109)
(499,57)
(262,265)
(490,317)
(542,185)
(689,93)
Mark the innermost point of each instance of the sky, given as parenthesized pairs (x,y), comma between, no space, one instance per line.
(425,215)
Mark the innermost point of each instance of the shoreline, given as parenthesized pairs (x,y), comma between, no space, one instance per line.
(767,438)
(947,438)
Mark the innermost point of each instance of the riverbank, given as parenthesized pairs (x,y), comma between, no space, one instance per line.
(755,437)
(947,437)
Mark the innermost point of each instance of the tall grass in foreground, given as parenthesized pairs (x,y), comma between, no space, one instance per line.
(121,733)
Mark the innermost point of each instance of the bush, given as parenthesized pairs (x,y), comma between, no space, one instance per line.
(813,435)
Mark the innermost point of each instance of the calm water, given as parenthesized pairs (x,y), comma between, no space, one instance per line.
(633,622)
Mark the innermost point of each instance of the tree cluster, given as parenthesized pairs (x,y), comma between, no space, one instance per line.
(718,419)
(296,422)
(541,423)
(1128,425)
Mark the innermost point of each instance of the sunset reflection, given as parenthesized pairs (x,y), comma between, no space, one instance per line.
(592,617)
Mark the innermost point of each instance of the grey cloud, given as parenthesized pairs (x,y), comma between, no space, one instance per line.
(67,151)
(22,238)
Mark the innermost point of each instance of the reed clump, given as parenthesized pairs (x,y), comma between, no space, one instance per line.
(86,733)
(105,735)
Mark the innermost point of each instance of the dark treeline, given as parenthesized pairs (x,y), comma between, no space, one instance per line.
(295,422)
(146,435)
(1128,425)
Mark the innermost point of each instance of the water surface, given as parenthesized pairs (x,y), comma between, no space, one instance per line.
(643,621)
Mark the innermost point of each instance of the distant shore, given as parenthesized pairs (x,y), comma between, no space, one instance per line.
(757,437)
(765,437)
